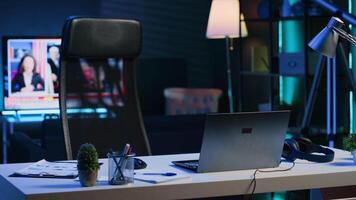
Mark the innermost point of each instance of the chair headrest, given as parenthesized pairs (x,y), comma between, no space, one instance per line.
(101,38)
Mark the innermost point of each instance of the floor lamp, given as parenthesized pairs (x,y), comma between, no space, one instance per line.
(224,23)
(326,43)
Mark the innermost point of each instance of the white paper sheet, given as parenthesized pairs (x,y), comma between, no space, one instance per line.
(44,168)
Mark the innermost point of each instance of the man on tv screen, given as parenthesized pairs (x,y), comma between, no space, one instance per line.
(53,61)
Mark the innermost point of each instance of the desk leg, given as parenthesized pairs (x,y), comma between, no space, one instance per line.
(338,192)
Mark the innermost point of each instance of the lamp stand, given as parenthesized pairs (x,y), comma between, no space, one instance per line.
(229,47)
(331,91)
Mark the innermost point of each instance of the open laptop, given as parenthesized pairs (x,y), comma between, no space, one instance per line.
(236,141)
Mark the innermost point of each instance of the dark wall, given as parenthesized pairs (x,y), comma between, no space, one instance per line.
(174,28)
(40,17)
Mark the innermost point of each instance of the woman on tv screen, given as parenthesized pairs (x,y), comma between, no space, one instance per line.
(27,79)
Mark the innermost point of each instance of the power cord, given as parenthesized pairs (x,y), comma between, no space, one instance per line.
(254,181)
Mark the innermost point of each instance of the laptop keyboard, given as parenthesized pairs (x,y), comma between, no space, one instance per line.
(192,165)
(188,164)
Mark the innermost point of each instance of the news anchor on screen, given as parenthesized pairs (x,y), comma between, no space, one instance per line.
(27,79)
(53,62)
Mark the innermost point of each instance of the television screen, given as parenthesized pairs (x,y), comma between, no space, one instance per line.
(31,73)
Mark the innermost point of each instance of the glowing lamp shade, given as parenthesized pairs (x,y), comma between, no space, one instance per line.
(224,20)
(326,41)
(244,32)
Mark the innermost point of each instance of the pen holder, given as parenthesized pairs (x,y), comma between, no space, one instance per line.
(121,168)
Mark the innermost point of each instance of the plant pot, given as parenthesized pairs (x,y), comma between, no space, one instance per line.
(87,178)
(353,152)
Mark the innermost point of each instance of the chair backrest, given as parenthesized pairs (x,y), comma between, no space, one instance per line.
(98,98)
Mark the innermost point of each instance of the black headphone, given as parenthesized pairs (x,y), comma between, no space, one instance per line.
(303,148)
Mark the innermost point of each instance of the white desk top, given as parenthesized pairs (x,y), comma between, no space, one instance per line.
(305,175)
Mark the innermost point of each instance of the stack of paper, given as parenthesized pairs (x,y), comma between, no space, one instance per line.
(45,169)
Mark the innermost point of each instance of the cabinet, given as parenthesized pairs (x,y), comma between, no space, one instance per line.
(276,66)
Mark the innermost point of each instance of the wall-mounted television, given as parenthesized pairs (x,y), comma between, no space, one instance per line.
(31,72)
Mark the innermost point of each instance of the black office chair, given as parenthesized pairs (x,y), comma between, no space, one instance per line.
(98,98)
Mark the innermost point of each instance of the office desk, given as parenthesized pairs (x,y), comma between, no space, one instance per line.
(305,175)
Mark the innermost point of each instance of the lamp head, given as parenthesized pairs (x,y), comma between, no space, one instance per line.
(326,41)
(224,20)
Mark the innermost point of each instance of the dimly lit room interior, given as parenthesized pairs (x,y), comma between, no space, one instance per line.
(178,99)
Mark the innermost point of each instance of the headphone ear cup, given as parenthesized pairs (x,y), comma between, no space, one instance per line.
(305,145)
(289,148)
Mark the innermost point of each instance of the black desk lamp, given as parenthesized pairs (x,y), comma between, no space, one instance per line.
(326,43)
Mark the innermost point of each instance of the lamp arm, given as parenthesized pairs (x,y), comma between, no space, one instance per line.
(349,18)
(345,35)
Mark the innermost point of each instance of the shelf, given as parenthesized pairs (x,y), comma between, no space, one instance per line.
(292,18)
(250,73)
(282,35)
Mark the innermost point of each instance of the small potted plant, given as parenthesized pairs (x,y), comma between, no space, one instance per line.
(88,165)
(350,145)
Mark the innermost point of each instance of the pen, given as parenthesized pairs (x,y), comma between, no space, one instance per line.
(126,152)
(162,174)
